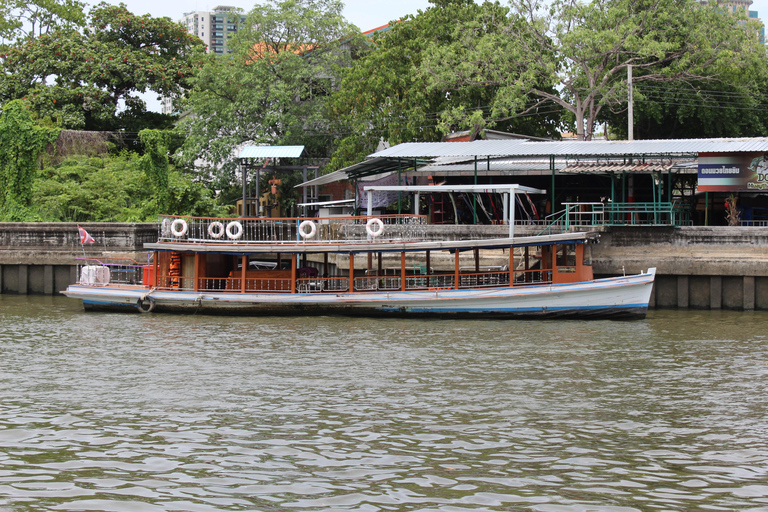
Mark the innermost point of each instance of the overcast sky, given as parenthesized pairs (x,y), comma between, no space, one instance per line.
(366,14)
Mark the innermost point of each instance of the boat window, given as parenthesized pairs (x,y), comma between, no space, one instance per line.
(566,255)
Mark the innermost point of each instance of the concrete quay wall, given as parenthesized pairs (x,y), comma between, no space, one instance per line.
(697,267)
(40,257)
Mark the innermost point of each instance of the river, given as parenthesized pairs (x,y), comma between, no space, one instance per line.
(130,412)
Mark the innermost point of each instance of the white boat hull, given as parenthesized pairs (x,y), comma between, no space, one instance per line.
(626,296)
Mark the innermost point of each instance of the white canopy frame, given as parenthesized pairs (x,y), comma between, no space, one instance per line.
(507,189)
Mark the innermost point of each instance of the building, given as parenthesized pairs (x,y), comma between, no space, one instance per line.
(215,28)
(740,6)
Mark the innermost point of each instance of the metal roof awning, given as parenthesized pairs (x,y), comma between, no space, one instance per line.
(477,189)
(340,202)
(488,167)
(608,168)
(568,148)
(370,167)
(271,152)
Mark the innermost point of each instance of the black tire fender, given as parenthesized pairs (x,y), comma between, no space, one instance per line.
(145,304)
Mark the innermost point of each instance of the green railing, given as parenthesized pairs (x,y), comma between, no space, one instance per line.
(625,214)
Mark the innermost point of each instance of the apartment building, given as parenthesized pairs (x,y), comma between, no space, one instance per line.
(215,28)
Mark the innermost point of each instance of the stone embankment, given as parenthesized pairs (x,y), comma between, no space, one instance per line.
(697,267)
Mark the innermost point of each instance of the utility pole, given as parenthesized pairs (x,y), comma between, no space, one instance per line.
(630,109)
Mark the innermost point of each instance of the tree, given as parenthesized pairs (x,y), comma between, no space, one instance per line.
(695,110)
(382,96)
(586,48)
(155,163)
(32,18)
(90,79)
(272,89)
(113,188)
(22,140)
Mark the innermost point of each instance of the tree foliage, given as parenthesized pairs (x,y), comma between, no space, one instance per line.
(382,95)
(90,78)
(585,47)
(155,163)
(22,140)
(272,89)
(113,188)
(32,18)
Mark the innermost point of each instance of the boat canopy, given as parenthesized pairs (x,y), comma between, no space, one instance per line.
(363,247)
(507,189)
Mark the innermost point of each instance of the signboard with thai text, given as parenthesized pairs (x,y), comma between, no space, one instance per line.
(737,172)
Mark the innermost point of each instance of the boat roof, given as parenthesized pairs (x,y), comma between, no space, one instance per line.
(480,189)
(372,246)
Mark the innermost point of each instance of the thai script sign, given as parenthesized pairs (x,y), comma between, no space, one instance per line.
(739,172)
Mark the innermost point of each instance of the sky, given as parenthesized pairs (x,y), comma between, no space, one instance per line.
(366,14)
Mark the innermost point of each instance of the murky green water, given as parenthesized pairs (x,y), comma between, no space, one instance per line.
(124,413)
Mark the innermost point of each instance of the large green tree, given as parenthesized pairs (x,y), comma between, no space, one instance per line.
(383,96)
(91,78)
(585,48)
(273,88)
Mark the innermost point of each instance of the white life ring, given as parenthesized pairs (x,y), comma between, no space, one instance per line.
(374,232)
(234,230)
(312,229)
(175,231)
(216,229)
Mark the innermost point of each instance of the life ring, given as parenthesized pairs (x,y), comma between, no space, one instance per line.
(175,231)
(234,230)
(216,230)
(312,229)
(145,307)
(370,229)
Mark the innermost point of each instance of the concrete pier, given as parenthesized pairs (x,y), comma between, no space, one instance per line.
(697,267)
(41,258)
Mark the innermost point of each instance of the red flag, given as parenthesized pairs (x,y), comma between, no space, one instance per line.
(85,238)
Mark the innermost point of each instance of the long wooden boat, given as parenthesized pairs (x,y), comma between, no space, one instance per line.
(375,266)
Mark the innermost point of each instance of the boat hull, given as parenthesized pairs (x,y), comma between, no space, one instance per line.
(612,297)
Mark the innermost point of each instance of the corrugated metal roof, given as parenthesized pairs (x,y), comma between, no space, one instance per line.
(271,152)
(360,170)
(497,165)
(484,148)
(602,168)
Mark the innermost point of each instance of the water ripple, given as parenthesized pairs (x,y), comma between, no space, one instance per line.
(132,413)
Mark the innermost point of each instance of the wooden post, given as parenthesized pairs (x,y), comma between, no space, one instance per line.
(402,271)
(456,271)
(293,273)
(477,260)
(351,272)
(511,266)
(527,277)
(156,265)
(244,264)
(198,264)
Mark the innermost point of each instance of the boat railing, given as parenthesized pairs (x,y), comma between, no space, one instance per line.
(103,271)
(315,230)
(367,283)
